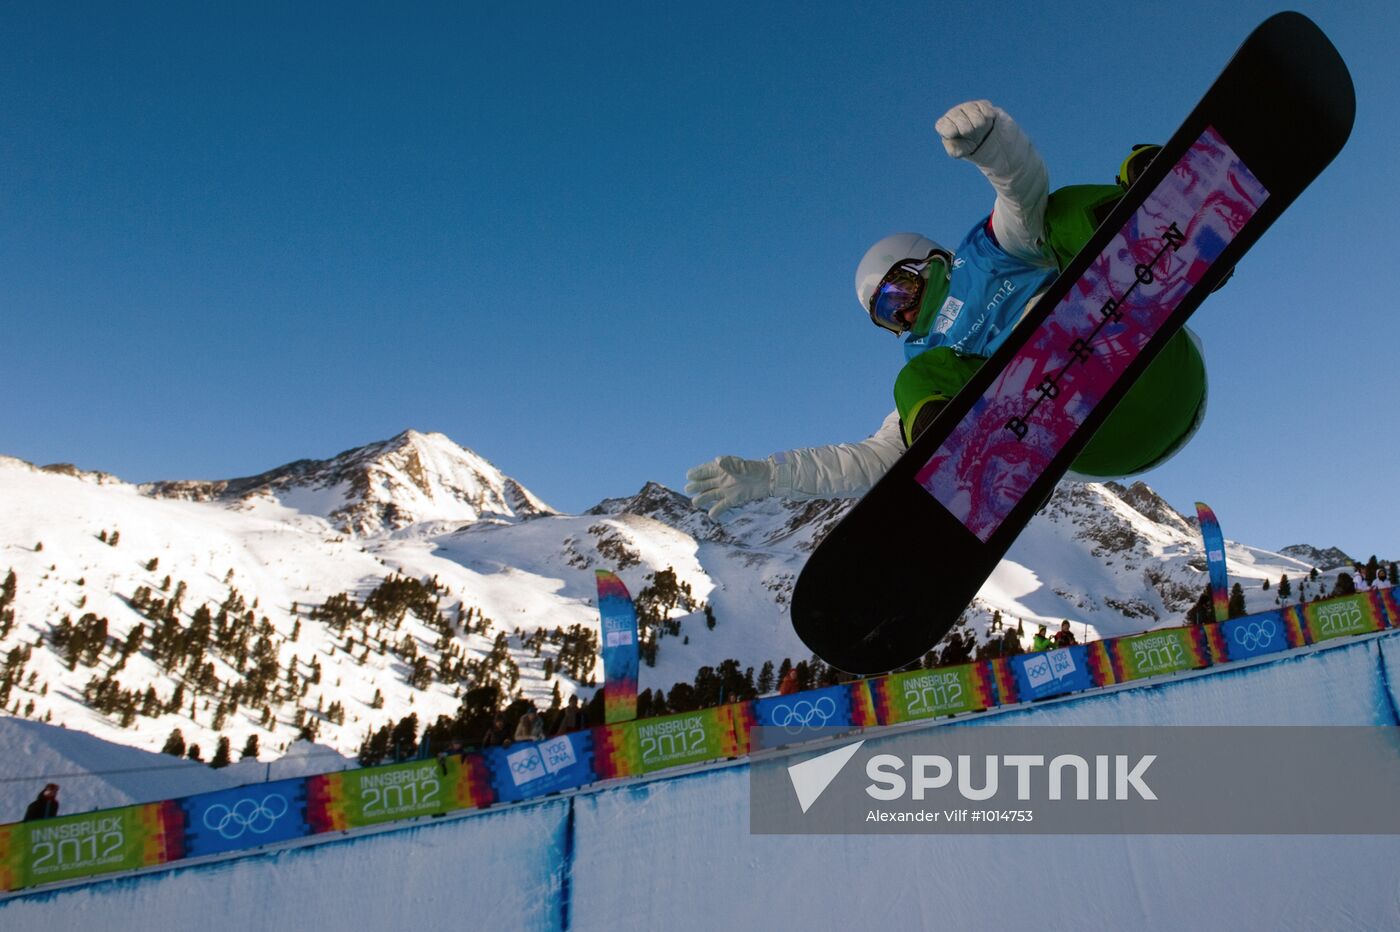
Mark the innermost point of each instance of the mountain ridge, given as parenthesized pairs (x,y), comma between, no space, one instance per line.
(340,595)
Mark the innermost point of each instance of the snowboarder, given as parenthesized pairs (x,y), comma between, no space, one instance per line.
(45,805)
(954,308)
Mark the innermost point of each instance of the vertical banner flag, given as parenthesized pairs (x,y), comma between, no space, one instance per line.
(619,643)
(1215,559)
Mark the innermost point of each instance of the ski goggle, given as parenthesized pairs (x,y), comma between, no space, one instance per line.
(900,291)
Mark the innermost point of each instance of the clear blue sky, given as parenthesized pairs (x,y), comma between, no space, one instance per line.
(601,245)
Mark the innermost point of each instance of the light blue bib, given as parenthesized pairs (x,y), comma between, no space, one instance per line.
(987,294)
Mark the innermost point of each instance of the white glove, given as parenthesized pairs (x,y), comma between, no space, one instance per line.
(983,134)
(966,127)
(727,481)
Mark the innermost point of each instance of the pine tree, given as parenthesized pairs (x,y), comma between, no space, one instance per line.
(765,678)
(250,748)
(1203,611)
(404,737)
(193,753)
(1237,608)
(1266,584)
(1285,588)
(222,754)
(175,744)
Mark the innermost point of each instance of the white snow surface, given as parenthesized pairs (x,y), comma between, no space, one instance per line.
(676,853)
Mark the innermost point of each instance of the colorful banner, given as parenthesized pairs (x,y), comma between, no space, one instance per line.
(619,646)
(539,768)
(88,844)
(1341,617)
(630,749)
(352,798)
(69,847)
(1052,673)
(904,697)
(1389,606)
(1215,561)
(244,817)
(1157,652)
(616,752)
(687,738)
(801,716)
(1254,635)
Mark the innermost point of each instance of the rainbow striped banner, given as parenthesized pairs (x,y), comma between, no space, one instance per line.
(616,751)
(741,725)
(863,711)
(90,843)
(629,749)
(1215,560)
(1343,617)
(619,646)
(1389,606)
(906,697)
(1101,663)
(1155,653)
(353,798)
(1004,681)
(1294,626)
(1217,647)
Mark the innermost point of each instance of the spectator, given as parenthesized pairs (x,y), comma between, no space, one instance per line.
(1382,582)
(1041,641)
(530,727)
(572,718)
(1358,577)
(789,684)
(497,736)
(1064,637)
(45,805)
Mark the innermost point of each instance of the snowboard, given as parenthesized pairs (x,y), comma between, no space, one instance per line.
(895,573)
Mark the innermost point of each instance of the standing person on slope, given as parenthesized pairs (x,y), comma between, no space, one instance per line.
(954,309)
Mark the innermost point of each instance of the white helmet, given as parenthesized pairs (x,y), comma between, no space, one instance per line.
(883,256)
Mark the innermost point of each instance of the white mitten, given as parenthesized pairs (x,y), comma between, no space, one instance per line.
(965,127)
(983,134)
(727,481)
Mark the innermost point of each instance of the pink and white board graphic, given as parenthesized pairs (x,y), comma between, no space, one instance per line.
(1024,418)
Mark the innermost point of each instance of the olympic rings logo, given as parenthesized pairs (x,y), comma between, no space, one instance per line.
(804,714)
(247,815)
(526,762)
(1255,634)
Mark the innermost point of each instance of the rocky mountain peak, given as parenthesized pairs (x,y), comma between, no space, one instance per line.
(1141,498)
(411,478)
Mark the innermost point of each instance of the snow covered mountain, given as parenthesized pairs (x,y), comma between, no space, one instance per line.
(327,599)
(411,479)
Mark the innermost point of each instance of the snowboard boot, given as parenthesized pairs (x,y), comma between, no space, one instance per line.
(1136,163)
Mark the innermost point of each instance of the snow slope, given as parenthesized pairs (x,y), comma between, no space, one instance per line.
(1110,559)
(96,774)
(677,852)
